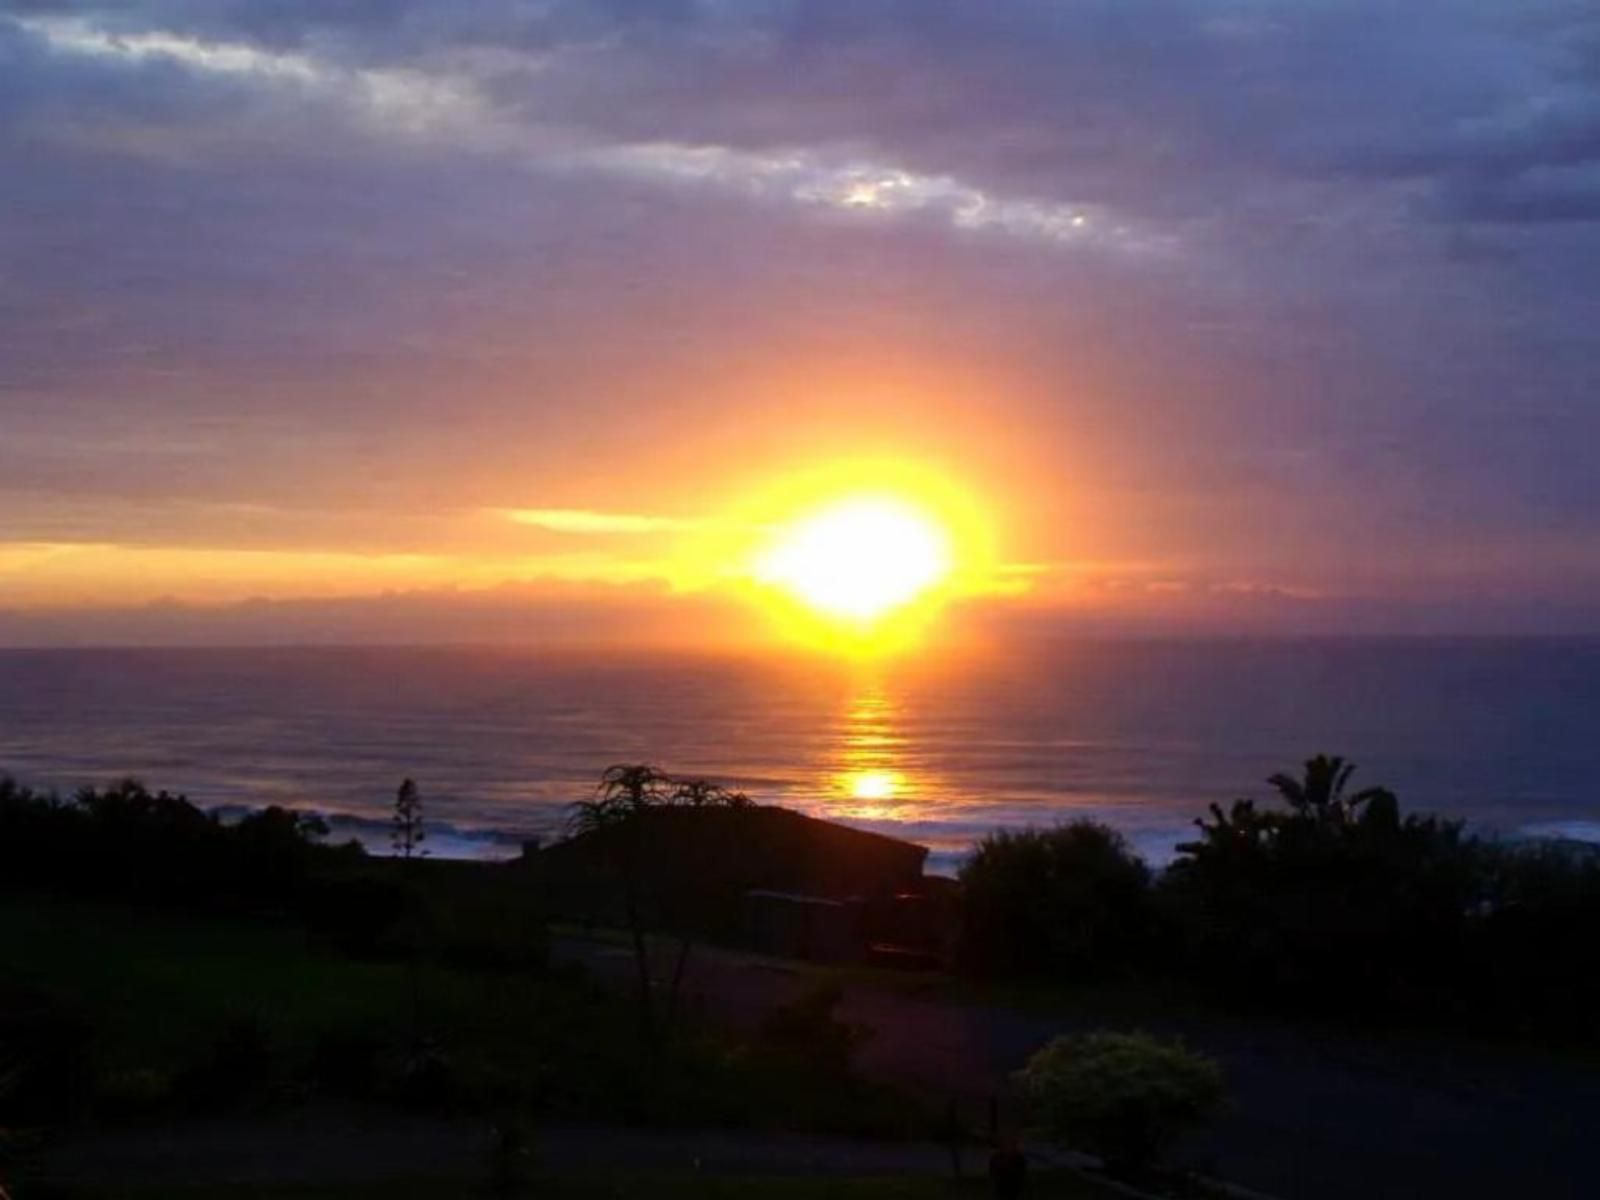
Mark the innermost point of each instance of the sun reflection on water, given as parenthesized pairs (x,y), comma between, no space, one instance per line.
(874,785)
(873,777)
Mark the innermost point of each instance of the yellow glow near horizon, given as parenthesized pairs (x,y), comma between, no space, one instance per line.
(873,785)
(855,557)
(860,558)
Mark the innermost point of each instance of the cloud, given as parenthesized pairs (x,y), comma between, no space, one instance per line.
(1289,290)
(580,521)
(1091,125)
(66,574)
(395,100)
(453,109)
(567,616)
(879,190)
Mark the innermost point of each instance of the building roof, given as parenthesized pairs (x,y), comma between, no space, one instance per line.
(758,848)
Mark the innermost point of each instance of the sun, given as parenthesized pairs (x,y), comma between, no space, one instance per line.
(862,558)
(872,785)
(859,559)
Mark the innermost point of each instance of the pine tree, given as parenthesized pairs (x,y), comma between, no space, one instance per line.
(408,834)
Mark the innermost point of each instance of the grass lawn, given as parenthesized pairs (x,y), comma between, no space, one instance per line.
(154,985)
(159,988)
(151,984)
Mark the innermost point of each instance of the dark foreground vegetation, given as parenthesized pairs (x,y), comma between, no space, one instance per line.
(641,1186)
(162,964)
(1330,903)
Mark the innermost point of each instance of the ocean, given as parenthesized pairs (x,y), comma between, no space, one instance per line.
(1141,734)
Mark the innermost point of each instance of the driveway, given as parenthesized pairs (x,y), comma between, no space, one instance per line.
(1313,1117)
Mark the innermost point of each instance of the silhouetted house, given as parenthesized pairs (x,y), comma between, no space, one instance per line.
(791,925)
(769,878)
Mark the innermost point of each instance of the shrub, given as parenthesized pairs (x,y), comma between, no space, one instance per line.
(347,1062)
(429,1081)
(1533,961)
(46,1059)
(234,1071)
(1337,903)
(128,843)
(1126,1097)
(1068,901)
(132,1095)
(511,1157)
(806,1029)
(358,916)
(487,928)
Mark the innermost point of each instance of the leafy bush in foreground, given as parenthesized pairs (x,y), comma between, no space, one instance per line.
(1126,1097)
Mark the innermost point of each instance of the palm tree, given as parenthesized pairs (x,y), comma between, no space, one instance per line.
(702,793)
(624,793)
(624,797)
(695,793)
(1320,791)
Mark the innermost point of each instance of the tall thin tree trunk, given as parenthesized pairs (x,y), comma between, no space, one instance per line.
(413,947)
(416,995)
(953,1130)
(641,957)
(685,945)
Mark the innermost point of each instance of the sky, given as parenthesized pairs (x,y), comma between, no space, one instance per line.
(401,320)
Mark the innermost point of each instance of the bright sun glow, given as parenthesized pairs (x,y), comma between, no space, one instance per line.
(862,558)
(872,785)
(859,559)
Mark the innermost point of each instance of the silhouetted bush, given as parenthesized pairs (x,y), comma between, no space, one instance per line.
(133,1095)
(357,915)
(347,1062)
(1336,903)
(1332,901)
(487,924)
(128,843)
(429,1081)
(46,1059)
(1532,955)
(1126,1097)
(1069,902)
(511,1155)
(234,1070)
(806,1029)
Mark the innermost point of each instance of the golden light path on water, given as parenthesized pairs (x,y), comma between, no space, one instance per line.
(872,777)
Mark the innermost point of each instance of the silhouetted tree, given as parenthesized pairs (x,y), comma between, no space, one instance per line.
(1068,901)
(623,804)
(697,794)
(126,841)
(1320,791)
(1532,960)
(625,792)
(408,836)
(1337,900)
(408,833)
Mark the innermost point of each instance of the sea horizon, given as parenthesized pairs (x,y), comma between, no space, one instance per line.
(1142,731)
